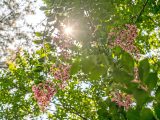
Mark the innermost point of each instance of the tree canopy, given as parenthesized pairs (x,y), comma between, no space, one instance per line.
(95,60)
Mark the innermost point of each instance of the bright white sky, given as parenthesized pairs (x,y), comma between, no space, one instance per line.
(31,19)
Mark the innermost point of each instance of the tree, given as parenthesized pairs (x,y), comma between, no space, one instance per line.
(98,69)
(13,25)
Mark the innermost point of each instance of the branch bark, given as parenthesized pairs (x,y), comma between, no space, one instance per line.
(72,110)
(3,65)
(142,10)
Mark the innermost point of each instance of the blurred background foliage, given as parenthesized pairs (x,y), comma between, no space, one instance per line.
(96,72)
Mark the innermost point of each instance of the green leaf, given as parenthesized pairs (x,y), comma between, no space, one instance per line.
(40,51)
(41,60)
(117,50)
(48,47)
(146,114)
(88,63)
(102,59)
(127,62)
(102,114)
(38,34)
(157,110)
(94,66)
(144,69)
(96,72)
(38,42)
(121,76)
(43,8)
(141,97)
(133,114)
(75,67)
(38,68)
(151,80)
(37,81)
(158,94)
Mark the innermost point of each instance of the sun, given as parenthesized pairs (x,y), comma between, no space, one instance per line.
(68,30)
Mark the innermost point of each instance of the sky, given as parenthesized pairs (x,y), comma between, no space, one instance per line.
(30,19)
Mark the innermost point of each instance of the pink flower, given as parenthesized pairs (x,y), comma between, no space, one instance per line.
(125,39)
(43,93)
(122,100)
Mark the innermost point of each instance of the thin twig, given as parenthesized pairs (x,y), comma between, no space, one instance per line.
(142,10)
(40,22)
(72,110)
(6,16)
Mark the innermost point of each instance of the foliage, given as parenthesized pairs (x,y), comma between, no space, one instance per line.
(92,80)
(14,28)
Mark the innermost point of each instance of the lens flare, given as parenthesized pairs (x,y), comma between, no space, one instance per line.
(68,30)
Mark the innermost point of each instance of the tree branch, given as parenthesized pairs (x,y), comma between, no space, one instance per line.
(142,10)
(3,65)
(6,16)
(72,110)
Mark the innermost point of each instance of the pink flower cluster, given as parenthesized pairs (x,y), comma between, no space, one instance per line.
(60,73)
(137,80)
(136,75)
(122,100)
(43,92)
(125,39)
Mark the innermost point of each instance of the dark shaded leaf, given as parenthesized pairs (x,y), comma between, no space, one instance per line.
(38,42)
(144,69)
(146,114)
(133,114)
(43,8)
(157,110)
(141,97)
(151,80)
